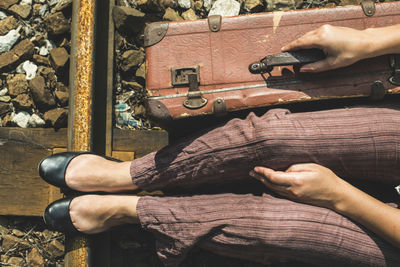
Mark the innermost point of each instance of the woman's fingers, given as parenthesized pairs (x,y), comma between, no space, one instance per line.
(307,41)
(275,177)
(280,189)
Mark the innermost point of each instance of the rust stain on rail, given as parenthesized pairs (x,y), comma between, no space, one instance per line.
(83,75)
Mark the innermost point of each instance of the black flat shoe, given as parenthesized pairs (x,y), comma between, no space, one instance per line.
(57,217)
(52,168)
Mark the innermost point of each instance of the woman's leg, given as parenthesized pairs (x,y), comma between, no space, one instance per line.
(359,142)
(261,229)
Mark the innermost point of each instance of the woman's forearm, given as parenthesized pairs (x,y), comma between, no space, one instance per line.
(385,40)
(375,215)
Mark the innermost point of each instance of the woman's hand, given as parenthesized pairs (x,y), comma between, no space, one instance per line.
(342,46)
(308,183)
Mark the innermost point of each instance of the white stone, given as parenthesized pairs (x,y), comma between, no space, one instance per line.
(36,121)
(207,4)
(53,2)
(26,2)
(60,5)
(3,91)
(50,44)
(225,8)
(43,51)
(30,69)
(7,41)
(28,30)
(43,10)
(21,119)
(186,4)
(3,15)
(5,98)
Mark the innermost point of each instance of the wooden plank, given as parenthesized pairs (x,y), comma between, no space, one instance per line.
(22,191)
(141,142)
(46,137)
(122,155)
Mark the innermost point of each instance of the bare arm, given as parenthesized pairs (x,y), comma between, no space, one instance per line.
(317,185)
(344,46)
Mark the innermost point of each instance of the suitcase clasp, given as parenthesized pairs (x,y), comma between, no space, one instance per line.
(194,99)
(395,65)
(180,76)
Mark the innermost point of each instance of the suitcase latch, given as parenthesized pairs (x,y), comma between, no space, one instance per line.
(180,76)
(395,65)
(194,99)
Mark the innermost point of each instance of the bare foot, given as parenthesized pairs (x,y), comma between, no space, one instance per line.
(91,173)
(91,214)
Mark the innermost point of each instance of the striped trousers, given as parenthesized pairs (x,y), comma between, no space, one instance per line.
(356,143)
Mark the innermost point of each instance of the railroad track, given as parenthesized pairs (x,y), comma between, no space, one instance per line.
(90,129)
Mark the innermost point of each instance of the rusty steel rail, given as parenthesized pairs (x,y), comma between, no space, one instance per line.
(80,132)
(90,103)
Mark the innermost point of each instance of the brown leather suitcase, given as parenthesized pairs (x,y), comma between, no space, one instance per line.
(201,67)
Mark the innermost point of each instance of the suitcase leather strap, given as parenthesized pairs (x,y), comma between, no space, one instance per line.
(194,99)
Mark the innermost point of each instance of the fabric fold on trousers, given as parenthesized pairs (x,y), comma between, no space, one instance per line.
(358,143)
(262,229)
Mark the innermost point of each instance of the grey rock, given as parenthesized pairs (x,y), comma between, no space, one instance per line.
(141,71)
(3,230)
(225,8)
(5,108)
(171,15)
(128,20)
(17,233)
(134,86)
(350,2)
(17,84)
(253,5)
(58,57)
(131,59)
(5,4)
(8,24)
(62,94)
(41,94)
(273,5)
(7,41)
(55,248)
(16,261)
(23,11)
(189,15)
(23,101)
(57,117)
(57,24)
(41,60)
(198,5)
(34,258)
(22,51)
